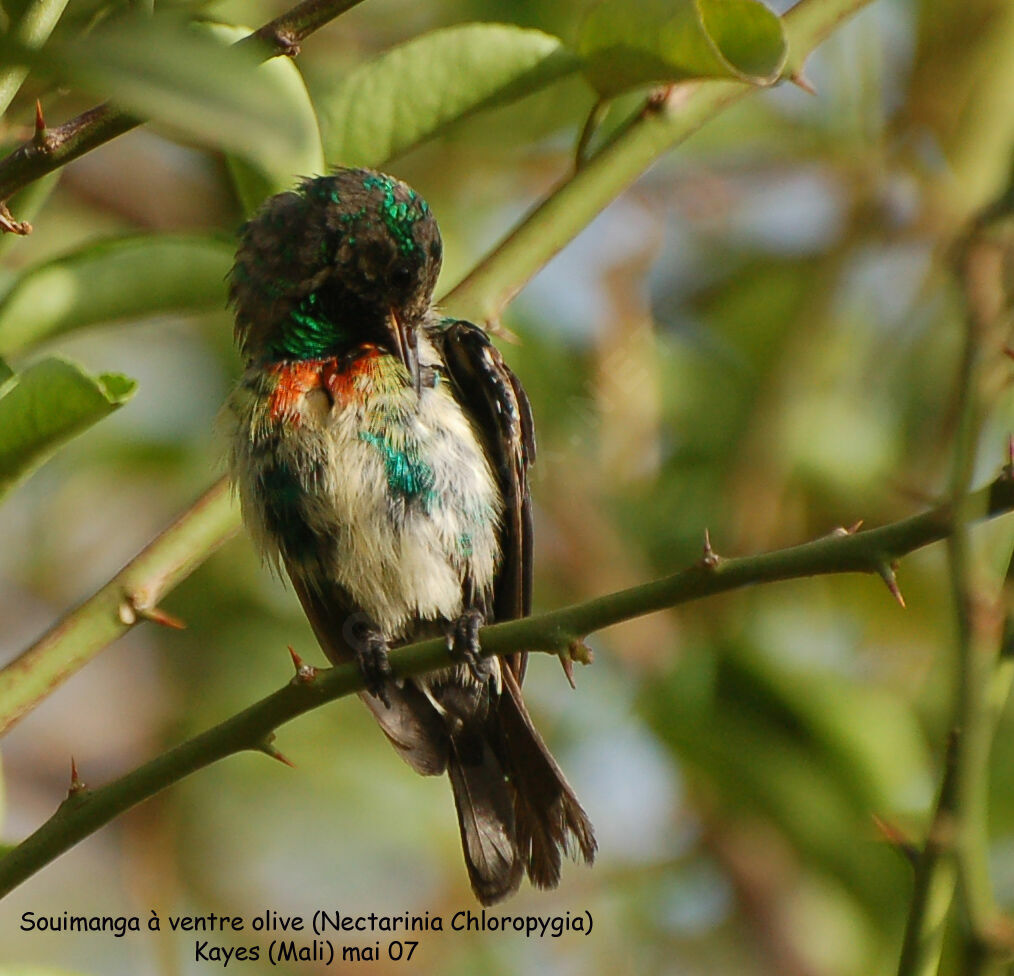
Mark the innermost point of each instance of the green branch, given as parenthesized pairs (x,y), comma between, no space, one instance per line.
(37,157)
(559,632)
(955,856)
(31,30)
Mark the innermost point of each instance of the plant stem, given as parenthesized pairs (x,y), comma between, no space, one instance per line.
(980,674)
(284,34)
(956,852)
(31,31)
(935,881)
(559,632)
(104,122)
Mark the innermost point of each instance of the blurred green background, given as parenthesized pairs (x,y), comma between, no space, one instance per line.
(761,337)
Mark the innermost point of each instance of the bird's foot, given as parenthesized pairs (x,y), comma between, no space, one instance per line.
(372,657)
(463,645)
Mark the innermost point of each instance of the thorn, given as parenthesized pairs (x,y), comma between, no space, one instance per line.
(159,616)
(40,125)
(1009,467)
(269,750)
(577,650)
(891,581)
(897,839)
(133,606)
(41,138)
(304,672)
(495,327)
(76,785)
(8,225)
(710,559)
(851,530)
(567,663)
(801,81)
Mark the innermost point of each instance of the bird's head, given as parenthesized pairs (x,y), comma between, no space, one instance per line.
(347,258)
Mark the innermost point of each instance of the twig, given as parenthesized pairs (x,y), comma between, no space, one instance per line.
(553,632)
(285,33)
(91,129)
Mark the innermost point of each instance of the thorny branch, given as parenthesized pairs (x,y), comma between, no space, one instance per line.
(558,632)
(59,145)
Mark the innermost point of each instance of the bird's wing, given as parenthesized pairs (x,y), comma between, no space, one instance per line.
(548,819)
(497,404)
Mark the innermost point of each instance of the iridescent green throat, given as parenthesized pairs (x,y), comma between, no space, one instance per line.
(308,333)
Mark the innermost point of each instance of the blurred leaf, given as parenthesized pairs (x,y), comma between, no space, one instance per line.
(5,371)
(626,45)
(262,174)
(114,279)
(162,68)
(46,405)
(807,751)
(870,738)
(409,94)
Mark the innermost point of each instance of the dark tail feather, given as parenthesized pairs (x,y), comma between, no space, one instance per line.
(549,820)
(485,817)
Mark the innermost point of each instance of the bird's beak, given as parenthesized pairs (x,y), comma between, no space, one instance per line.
(405,340)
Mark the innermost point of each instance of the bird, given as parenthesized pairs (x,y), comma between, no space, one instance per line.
(381,455)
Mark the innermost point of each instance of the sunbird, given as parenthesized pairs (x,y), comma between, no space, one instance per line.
(381,454)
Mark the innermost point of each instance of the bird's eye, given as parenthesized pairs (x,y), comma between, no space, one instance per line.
(401,276)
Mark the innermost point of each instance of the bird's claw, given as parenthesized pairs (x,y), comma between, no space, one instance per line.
(463,645)
(372,657)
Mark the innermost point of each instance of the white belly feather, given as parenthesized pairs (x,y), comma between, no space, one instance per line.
(401,555)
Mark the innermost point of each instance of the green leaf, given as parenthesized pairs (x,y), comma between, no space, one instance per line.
(626,45)
(412,92)
(127,277)
(263,174)
(163,69)
(46,405)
